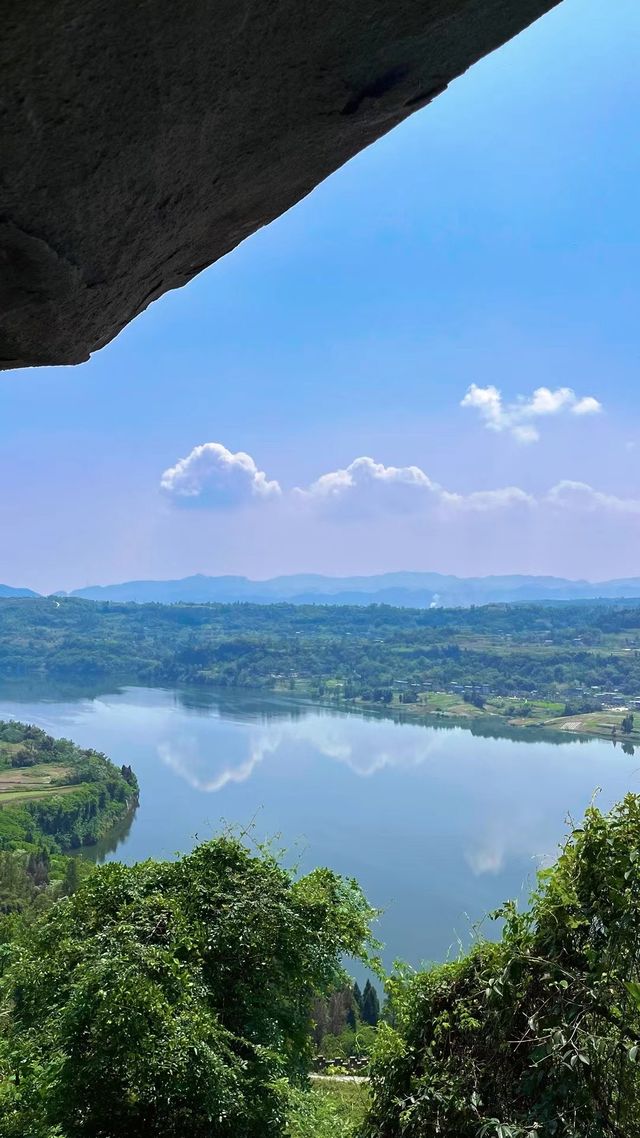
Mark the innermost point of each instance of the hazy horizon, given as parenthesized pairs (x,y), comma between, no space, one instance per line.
(376,580)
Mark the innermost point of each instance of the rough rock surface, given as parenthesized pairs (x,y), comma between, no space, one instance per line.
(141,140)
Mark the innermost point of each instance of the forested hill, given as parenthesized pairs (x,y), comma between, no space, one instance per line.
(506,647)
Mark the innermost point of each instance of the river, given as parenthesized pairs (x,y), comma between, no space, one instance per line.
(437,823)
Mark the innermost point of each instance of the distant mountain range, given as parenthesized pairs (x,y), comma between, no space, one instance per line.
(8,591)
(415,590)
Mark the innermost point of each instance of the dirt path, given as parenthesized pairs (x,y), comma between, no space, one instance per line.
(339,1078)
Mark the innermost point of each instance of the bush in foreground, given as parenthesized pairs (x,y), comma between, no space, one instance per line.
(537,1036)
(171,999)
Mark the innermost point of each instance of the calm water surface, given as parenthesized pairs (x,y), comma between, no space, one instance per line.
(438,824)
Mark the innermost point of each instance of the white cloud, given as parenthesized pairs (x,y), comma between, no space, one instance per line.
(212,476)
(587,406)
(365,471)
(517,418)
(481,500)
(367,486)
(579,496)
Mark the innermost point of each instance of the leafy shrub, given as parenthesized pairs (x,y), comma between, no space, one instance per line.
(171,999)
(537,1036)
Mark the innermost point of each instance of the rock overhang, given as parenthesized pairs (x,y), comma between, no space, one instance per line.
(142,140)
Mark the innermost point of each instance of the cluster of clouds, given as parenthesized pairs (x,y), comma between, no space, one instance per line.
(213,477)
(367,486)
(520,418)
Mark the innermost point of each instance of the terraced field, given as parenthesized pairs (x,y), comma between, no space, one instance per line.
(19,784)
(39,775)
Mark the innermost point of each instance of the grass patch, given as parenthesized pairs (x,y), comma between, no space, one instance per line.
(24,794)
(441,701)
(438,703)
(331,1109)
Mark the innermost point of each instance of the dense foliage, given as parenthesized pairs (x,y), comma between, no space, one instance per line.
(171,998)
(537,1036)
(509,647)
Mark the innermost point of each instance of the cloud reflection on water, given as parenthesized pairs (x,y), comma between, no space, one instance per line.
(327,737)
(493,795)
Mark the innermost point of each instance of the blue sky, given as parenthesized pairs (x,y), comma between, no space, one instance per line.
(492,240)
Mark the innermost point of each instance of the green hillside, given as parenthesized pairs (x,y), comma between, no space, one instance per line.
(56,795)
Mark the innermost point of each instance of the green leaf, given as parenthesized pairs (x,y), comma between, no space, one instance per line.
(634,991)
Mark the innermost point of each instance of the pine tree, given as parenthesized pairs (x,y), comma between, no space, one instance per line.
(370,1005)
(357,998)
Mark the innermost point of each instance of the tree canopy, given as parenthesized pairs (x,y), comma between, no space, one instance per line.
(169,998)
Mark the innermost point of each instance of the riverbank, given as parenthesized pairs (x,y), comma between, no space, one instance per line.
(528,715)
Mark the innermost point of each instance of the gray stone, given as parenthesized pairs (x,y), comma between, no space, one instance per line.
(141,140)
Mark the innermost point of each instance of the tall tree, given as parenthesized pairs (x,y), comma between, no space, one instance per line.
(370,1005)
(357,997)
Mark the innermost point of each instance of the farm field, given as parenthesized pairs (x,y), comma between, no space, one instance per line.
(30,794)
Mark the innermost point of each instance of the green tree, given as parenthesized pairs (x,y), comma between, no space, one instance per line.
(72,877)
(357,997)
(170,999)
(370,1005)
